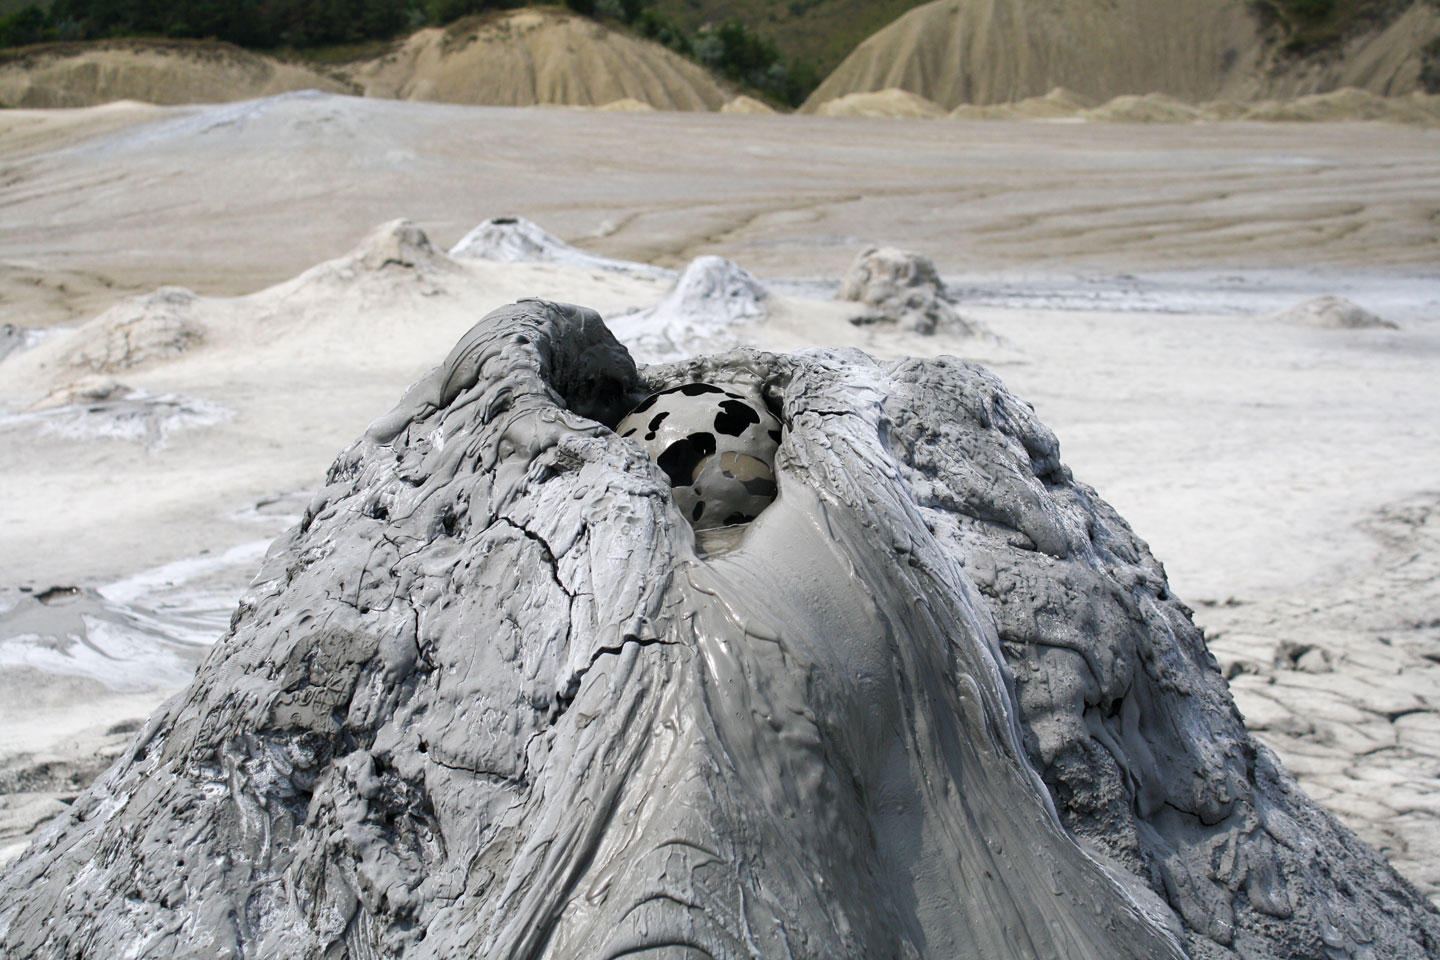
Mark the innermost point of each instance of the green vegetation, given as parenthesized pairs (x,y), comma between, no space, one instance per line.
(746,58)
(1311,25)
(811,36)
(248,23)
(330,30)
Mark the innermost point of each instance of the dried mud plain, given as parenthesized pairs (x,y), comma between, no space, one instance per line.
(1285,474)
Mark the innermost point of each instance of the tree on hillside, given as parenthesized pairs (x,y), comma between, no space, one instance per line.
(738,53)
(29,25)
(248,23)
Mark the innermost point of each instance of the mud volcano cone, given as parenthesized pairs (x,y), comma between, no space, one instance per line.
(495,697)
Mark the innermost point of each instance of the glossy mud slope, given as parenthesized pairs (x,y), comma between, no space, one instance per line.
(491,697)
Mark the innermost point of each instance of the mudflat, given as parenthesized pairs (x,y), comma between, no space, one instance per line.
(147,196)
(1133,275)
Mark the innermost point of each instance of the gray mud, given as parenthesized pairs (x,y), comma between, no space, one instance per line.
(1405,297)
(489,699)
(711,296)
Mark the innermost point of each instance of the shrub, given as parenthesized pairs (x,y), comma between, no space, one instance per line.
(26,26)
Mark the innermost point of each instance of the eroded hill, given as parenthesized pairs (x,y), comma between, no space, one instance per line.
(515,58)
(998,51)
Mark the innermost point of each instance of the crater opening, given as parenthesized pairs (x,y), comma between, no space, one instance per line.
(716,444)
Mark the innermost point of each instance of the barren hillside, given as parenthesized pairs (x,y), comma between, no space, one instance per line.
(537,56)
(999,51)
(515,58)
(155,71)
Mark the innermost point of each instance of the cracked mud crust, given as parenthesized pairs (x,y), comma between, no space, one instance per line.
(488,698)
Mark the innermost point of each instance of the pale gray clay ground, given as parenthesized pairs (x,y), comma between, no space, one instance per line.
(1138,282)
(494,696)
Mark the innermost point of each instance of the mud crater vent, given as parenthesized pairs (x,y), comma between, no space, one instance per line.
(717,445)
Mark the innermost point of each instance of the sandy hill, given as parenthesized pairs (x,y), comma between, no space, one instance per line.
(516,58)
(881,103)
(154,71)
(997,51)
(537,56)
(1344,104)
(1058,103)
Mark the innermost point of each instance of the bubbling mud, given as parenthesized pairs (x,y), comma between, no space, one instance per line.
(715,444)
